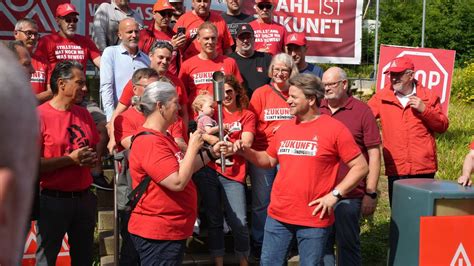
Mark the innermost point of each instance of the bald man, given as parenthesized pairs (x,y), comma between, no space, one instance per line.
(18,158)
(118,64)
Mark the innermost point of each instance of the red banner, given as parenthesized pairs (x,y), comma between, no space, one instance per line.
(447,240)
(332,27)
(433,68)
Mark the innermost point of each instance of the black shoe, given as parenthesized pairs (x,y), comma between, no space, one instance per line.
(255,254)
(101,183)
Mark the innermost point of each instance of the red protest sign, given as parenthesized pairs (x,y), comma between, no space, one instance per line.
(447,240)
(433,68)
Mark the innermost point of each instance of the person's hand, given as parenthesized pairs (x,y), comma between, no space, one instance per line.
(84,156)
(224,147)
(465,181)
(178,41)
(324,204)
(195,141)
(416,103)
(368,205)
(111,145)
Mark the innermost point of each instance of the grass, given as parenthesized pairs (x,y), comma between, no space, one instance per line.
(452,146)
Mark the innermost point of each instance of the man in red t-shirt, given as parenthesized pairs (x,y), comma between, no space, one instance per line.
(66,44)
(360,121)
(468,167)
(192,20)
(26,31)
(316,143)
(196,72)
(160,30)
(269,35)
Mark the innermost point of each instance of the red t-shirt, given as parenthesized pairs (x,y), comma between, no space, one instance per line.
(56,48)
(127,123)
(127,93)
(309,155)
(40,79)
(271,111)
(149,36)
(62,132)
(245,121)
(160,214)
(192,22)
(196,74)
(269,35)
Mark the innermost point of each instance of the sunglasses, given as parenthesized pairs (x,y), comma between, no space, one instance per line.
(70,20)
(30,34)
(166,13)
(263,6)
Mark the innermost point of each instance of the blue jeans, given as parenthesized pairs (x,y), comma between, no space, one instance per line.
(215,191)
(279,236)
(262,182)
(58,216)
(159,252)
(345,233)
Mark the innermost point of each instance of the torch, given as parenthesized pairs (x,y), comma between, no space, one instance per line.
(218,86)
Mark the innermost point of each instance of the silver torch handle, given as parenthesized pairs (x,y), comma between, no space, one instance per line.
(218,86)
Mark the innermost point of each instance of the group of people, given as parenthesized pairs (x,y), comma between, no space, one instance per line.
(312,151)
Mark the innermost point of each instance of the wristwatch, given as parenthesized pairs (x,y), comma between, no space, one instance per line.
(336,193)
(372,195)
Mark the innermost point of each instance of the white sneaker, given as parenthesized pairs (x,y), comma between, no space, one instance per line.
(196,229)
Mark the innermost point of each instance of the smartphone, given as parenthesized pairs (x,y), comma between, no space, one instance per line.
(181,30)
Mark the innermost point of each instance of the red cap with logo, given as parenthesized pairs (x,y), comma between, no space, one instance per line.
(65,9)
(161,5)
(400,64)
(296,38)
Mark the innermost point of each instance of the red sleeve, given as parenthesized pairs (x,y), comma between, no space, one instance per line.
(182,95)
(127,94)
(158,159)
(371,130)
(145,41)
(176,129)
(346,146)
(94,52)
(256,102)
(249,122)
(123,128)
(272,149)
(433,116)
(374,104)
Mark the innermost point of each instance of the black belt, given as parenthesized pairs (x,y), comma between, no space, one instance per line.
(64,194)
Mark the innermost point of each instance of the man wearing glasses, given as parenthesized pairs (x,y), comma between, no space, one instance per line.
(406,108)
(269,35)
(160,30)
(66,44)
(358,118)
(26,31)
(193,19)
(106,21)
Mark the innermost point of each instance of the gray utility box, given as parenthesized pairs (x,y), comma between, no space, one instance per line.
(413,198)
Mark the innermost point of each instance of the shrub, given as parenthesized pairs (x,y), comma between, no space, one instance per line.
(463,80)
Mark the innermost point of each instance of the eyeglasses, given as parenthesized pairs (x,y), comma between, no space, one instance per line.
(165,13)
(332,84)
(281,70)
(29,34)
(69,19)
(161,45)
(263,6)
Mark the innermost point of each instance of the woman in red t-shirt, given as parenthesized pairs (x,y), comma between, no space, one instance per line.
(269,105)
(227,189)
(164,215)
(309,149)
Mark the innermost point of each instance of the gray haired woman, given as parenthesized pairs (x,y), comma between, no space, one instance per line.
(165,213)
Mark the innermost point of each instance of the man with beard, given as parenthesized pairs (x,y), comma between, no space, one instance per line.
(234,17)
(106,21)
(253,64)
(410,115)
(193,19)
(118,64)
(66,44)
(296,48)
(26,31)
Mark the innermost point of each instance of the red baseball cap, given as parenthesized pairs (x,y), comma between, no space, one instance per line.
(264,1)
(161,5)
(400,64)
(296,38)
(65,9)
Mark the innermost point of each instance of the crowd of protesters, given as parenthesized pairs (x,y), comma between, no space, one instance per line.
(309,149)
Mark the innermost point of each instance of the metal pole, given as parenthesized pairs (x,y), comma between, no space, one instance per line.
(218,86)
(423,25)
(376,41)
(116,216)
